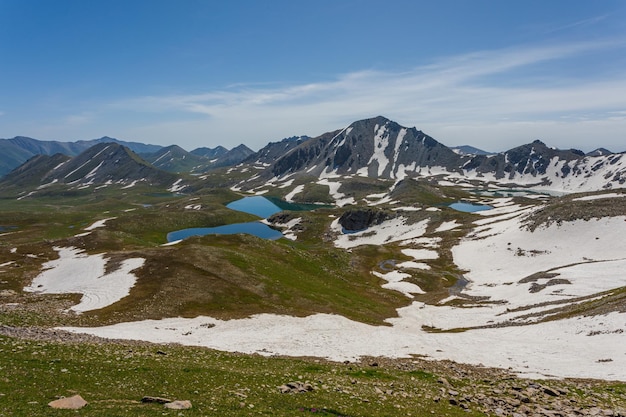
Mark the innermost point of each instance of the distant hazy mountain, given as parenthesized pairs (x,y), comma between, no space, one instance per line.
(15,151)
(175,159)
(274,150)
(599,152)
(19,149)
(232,157)
(469,150)
(136,147)
(210,153)
(102,164)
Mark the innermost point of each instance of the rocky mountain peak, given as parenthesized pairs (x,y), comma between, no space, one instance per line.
(376,147)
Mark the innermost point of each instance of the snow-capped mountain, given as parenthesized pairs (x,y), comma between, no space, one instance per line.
(536,164)
(381,148)
(374,147)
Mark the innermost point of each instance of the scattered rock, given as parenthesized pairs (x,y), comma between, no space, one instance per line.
(70,403)
(160,400)
(444,382)
(178,405)
(295,387)
(550,392)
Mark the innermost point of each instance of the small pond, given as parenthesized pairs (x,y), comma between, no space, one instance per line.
(252,228)
(469,207)
(266,206)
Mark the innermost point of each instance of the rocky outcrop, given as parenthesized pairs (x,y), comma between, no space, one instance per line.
(355,220)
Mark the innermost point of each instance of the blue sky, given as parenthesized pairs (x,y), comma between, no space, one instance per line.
(493,74)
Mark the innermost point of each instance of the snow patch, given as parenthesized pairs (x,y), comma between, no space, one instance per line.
(599,196)
(177,186)
(77,272)
(389,231)
(445,226)
(99,223)
(297,190)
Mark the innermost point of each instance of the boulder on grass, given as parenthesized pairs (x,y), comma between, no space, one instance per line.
(178,405)
(69,403)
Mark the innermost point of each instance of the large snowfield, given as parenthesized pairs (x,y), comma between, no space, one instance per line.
(522,274)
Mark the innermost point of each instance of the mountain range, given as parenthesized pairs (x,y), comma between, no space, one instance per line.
(381,148)
(101,164)
(373,148)
(15,151)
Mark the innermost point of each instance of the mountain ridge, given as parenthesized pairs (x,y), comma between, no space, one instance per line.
(383,149)
(380,148)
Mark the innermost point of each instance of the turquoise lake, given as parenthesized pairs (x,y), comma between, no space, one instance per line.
(257,205)
(469,207)
(252,228)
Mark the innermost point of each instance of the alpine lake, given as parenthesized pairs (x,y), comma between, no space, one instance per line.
(469,207)
(265,207)
(260,206)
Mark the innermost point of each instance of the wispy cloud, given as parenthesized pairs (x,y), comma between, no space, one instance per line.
(581,23)
(487,89)
(79,119)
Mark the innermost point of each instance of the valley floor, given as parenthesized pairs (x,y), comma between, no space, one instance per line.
(518,311)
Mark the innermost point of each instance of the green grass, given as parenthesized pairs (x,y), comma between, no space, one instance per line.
(114,377)
(238,275)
